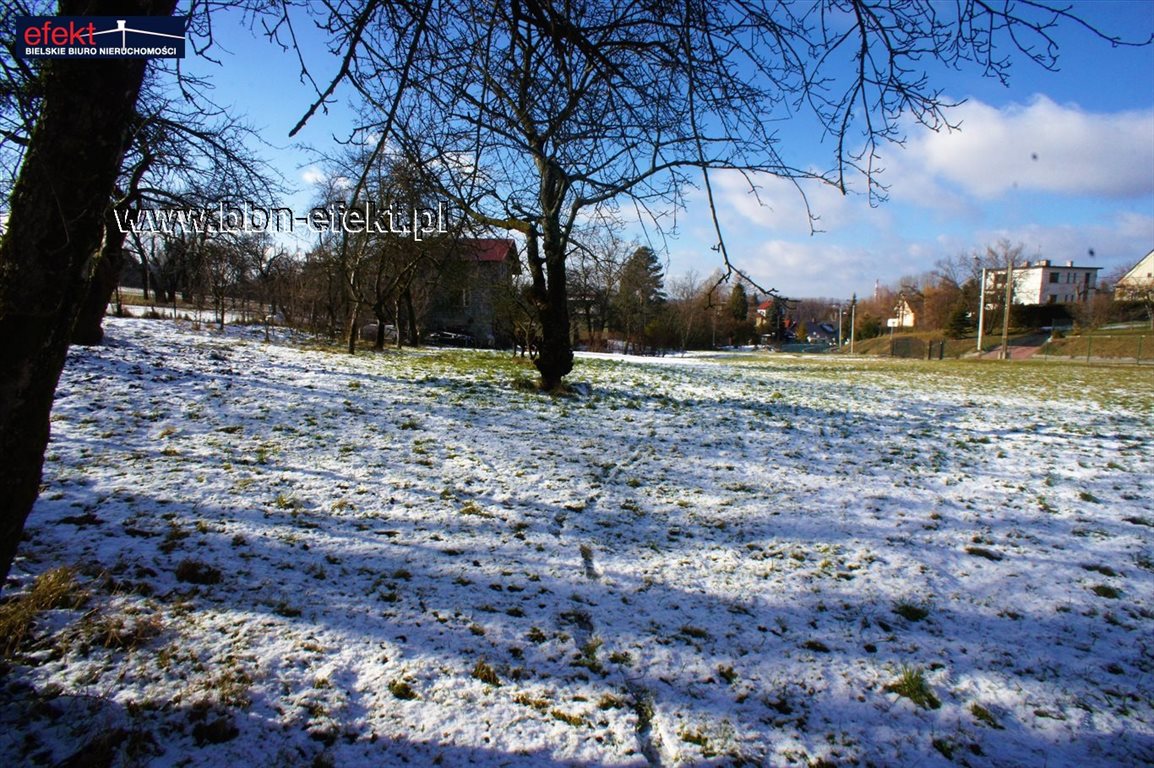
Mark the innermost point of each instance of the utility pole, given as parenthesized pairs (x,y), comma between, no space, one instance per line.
(1006,311)
(982,311)
(852,321)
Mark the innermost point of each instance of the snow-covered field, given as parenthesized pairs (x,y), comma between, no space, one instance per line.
(297,558)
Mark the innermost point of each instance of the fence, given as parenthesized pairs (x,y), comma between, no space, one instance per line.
(918,349)
(1108,348)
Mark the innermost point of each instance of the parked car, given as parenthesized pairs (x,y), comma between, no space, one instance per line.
(449,339)
(369,332)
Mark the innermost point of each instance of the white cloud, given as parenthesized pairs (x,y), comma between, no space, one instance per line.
(1135,225)
(312,175)
(1122,239)
(779,205)
(1042,146)
(809,268)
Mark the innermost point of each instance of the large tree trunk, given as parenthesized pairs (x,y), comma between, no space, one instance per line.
(379,313)
(54,233)
(554,353)
(146,271)
(89,327)
(351,329)
(397,319)
(547,268)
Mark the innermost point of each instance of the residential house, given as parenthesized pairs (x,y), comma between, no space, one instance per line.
(1045,283)
(468,299)
(1138,283)
(904,315)
(764,314)
(773,320)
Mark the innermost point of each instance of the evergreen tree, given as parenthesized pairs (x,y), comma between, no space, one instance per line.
(738,304)
(958,324)
(738,327)
(640,296)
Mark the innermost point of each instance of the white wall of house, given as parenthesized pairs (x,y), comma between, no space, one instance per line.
(1138,281)
(905,315)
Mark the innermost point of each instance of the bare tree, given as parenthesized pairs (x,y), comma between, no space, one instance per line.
(524,113)
(180,147)
(21,93)
(597,258)
(181,155)
(689,304)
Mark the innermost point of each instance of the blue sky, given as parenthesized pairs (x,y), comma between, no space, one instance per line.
(1060,162)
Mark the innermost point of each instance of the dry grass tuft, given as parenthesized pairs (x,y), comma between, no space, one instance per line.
(53,589)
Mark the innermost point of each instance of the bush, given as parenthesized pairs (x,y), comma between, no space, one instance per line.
(958,324)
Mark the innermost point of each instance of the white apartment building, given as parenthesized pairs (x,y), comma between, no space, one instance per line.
(1044,283)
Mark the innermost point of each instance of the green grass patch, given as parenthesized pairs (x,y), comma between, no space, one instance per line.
(984,716)
(912,684)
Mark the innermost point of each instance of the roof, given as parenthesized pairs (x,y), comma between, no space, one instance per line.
(1047,264)
(1140,271)
(489,249)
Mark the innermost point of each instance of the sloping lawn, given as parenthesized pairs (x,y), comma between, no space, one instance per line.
(281,556)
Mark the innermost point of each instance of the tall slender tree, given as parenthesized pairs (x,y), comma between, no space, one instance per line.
(640,296)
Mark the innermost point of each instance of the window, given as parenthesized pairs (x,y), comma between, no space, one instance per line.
(458,299)
(1053,277)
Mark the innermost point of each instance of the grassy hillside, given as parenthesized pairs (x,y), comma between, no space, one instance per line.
(252,553)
